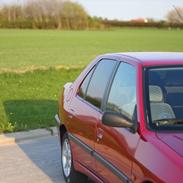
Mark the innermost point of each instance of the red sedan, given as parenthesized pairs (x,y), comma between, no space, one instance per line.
(122,120)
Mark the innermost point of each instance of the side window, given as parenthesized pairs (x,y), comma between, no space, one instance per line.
(99,81)
(84,85)
(122,96)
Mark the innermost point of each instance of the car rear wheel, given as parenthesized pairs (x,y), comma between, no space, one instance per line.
(69,173)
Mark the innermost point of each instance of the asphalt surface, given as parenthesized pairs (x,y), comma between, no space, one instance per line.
(31,161)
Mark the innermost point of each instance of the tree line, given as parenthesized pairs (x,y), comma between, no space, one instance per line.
(174,19)
(65,14)
(58,14)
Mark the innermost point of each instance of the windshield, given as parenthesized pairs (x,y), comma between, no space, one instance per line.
(164,89)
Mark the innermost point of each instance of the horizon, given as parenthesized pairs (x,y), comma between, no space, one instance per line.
(118,9)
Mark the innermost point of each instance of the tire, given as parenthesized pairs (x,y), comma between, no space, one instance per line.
(68,171)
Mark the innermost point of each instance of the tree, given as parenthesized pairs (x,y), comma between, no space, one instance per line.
(60,14)
(74,16)
(175,15)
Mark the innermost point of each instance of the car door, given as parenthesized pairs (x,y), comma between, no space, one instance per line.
(85,109)
(115,146)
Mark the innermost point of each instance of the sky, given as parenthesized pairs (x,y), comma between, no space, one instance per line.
(126,9)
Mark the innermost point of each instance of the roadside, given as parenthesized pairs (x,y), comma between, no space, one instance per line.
(31,157)
(11,138)
(31,161)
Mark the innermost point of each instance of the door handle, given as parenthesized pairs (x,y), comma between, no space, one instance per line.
(100,134)
(71,114)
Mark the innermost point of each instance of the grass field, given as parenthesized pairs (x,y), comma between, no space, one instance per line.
(25,48)
(29,100)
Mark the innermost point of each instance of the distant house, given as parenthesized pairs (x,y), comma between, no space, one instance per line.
(139,20)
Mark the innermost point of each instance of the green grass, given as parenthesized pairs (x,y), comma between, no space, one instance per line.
(25,48)
(29,100)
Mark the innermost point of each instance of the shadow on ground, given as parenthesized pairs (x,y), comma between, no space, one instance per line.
(45,154)
(30,114)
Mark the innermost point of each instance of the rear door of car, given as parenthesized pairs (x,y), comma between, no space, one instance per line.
(86,110)
(115,147)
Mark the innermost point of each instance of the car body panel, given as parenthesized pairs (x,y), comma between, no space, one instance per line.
(116,149)
(83,126)
(173,140)
(156,158)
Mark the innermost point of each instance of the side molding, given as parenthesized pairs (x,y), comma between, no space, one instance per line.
(99,158)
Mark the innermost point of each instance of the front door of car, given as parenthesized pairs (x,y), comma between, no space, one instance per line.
(115,146)
(86,109)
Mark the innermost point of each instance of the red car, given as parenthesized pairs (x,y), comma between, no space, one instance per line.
(122,120)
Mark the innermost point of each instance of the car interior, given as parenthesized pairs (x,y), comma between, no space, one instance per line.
(166,94)
(159,108)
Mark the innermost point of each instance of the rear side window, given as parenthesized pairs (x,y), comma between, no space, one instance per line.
(84,85)
(99,81)
(122,97)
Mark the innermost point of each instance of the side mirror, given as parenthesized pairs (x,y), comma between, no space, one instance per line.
(118,120)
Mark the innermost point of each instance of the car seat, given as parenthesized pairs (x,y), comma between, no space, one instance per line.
(159,109)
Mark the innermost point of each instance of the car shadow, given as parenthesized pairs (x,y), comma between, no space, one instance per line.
(45,154)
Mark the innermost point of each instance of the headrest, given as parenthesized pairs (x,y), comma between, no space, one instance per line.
(156,94)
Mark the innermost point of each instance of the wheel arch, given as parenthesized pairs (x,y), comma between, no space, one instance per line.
(62,131)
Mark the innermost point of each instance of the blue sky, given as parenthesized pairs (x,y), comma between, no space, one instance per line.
(126,9)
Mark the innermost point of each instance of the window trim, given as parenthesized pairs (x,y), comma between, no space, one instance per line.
(112,79)
(109,81)
(90,70)
(106,95)
(89,104)
(146,102)
(96,65)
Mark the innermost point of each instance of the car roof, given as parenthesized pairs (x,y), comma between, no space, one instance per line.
(151,58)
